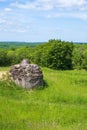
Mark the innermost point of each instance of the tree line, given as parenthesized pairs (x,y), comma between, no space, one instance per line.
(55,54)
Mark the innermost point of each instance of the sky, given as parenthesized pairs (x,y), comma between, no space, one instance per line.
(41,20)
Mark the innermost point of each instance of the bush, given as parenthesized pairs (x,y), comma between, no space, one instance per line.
(55,54)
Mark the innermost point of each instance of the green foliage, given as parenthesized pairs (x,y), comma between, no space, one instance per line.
(16,56)
(55,54)
(21,53)
(15,45)
(11,57)
(84,59)
(80,56)
(3,57)
(60,106)
(60,55)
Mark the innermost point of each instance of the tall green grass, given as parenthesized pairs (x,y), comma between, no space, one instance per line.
(60,105)
(4,68)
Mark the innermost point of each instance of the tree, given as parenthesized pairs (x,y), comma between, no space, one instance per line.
(55,54)
(11,56)
(60,55)
(3,57)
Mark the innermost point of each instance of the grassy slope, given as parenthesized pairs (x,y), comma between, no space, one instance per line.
(62,105)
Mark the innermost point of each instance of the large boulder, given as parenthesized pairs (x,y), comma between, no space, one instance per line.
(26,75)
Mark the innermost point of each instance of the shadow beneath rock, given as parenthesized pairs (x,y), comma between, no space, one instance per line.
(45,85)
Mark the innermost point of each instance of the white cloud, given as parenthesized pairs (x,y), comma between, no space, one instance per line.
(22,6)
(2,21)
(13,25)
(79,15)
(8,9)
(51,4)
(56,15)
(15,30)
(71,3)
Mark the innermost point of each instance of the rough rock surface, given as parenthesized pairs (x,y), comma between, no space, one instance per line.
(26,75)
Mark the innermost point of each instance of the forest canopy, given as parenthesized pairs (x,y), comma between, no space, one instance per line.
(55,54)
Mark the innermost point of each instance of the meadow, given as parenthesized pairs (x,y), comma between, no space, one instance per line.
(60,105)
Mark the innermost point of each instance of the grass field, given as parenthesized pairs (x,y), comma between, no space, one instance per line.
(4,69)
(60,105)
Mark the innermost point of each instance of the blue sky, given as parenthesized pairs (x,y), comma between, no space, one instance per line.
(41,20)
